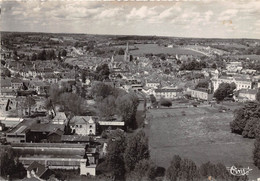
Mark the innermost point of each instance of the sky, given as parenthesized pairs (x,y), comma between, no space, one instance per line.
(182,18)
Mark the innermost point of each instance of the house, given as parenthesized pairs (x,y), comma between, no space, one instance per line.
(246,95)
(241,83)
(10,121)
(83,125)
(6,89)
(42,132)
(234,66)
(152,84)
(17,135)
(39,86)
(37,170)
(202,94)
(168,93)
(60,118)
(16,83)
(55,136)
(50,78)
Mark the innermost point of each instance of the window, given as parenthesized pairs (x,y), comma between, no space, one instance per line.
(80,126)
(90,126)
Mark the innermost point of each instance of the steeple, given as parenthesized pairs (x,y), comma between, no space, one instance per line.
(126,53)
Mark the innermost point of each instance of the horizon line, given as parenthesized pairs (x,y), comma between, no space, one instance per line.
(166,36)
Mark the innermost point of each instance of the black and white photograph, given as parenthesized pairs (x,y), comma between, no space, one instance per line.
(130,90)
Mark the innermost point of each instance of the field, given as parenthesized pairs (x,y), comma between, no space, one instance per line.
(252,57)
(156,49)
(201,134)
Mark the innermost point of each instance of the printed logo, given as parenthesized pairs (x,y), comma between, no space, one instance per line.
(239,171)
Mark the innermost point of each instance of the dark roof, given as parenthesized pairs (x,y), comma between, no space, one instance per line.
(6,82)
(201,90)
(168,90)
(16,80)
(38,168)
(57,132)
(46,127)
(74,138)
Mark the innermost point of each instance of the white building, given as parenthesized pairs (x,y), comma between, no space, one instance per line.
(168,93)
(201,94)
(241,83)
(246,95)
(60,118)
(83,125)
(234,67)
(152,84)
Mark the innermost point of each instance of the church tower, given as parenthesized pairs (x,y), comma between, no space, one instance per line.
(126,56)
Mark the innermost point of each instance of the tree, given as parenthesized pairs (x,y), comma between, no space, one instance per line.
(59,56)
(42,55)
(246,116)
(202,84)
(34,57)
(144,170)
(249,130)
(153,99)
(165,102)
(214,66)
(121,51)
(256,153)
(224,90)
(258,95)
(136,150)
(182,169)
(9,165)
(64,53)
(83,76)
(189,170)
(126,108)
(101,90)
(173,171)
(107,107)
(5,72)
(72,103)
(131,58)
(51,55)
(115,154)
(102,72)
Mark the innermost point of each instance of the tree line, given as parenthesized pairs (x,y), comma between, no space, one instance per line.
(247,123)
(128,158)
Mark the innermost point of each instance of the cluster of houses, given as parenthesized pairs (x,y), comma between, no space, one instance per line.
(59,143)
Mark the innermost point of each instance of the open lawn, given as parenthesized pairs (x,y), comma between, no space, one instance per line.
(201,134)
(156,49)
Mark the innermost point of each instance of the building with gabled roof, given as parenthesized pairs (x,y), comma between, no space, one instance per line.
(241,83)
(83,125)
(60,118)
(246,95)
(38,171)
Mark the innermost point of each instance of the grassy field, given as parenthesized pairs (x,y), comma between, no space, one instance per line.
(201,134)
(252,57)
(155,49)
